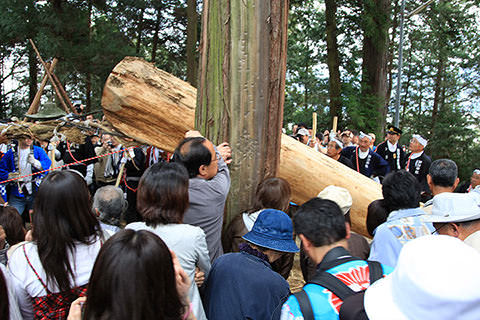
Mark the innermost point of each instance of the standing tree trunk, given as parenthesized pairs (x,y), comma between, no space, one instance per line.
(191,46)
(33,73)
(241,89)
(139,31)
(437,93)
(333,59)
(155,36)
(376,22)
(88,80)
(391,52)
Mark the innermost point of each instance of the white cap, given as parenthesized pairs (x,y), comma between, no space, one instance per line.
(436,277)
(455,207)
(339,195)
(420,140)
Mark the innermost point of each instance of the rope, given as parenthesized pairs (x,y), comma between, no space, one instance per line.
(71,155)
(126,185)
(65,165)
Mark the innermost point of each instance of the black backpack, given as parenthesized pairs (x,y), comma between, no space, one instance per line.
(352,307)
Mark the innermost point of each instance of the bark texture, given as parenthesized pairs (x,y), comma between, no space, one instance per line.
(333,60)
(375,52)
(241,89)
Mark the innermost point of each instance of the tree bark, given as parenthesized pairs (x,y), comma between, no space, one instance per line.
(155,36)
(241,89)
(88,78)
(139,31)
(33,74)
(391,51)
(191,46)
(333,60)
(437,93)
(374,66)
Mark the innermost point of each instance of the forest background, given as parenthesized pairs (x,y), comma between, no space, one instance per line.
(342,60)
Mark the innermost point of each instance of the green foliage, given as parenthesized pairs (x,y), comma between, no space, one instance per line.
(61,29)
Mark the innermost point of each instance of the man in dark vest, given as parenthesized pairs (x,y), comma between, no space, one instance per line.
(390,149)
(418,164)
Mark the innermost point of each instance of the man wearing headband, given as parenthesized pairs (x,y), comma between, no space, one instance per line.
(334,150)
(391,151)
(474,180)
(366,161)
(418,163)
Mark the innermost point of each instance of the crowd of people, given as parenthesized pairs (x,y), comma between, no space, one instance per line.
(139,234)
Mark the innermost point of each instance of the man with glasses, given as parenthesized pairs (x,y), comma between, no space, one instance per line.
(457,215)
(208,185)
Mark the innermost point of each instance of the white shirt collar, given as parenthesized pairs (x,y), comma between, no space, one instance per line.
(392,147)
(416,155)
(361,154)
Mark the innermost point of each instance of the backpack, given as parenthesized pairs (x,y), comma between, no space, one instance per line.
(352,307)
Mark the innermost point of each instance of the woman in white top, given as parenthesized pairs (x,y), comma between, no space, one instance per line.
(162,199)
(50,272)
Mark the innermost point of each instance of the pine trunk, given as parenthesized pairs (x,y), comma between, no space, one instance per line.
(333,59)
(191,45)
(374,67)
(241,90)
(33,74)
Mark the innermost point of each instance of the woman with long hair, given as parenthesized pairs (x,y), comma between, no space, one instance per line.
(162,199)
(135,277)
(51,271)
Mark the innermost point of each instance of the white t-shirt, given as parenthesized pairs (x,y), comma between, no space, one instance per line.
(28,286)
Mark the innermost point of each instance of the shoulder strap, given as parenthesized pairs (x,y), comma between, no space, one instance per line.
(329,281)
(305,305)
(34,271)
(375,269)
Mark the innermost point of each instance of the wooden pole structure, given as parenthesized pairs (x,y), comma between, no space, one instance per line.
(63,92)
(334,127)
(36,100)
(314,126)
(49,75)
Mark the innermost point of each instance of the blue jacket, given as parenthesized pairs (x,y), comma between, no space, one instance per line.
(7,165)
(242,286)
(326,305)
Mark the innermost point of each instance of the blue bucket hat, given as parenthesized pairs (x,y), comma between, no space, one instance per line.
(273,230)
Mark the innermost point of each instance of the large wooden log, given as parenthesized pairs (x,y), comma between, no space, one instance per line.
(156,108)
(149,104)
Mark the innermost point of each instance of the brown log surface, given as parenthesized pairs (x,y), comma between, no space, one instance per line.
(148,104)
(154,107)
(309,172)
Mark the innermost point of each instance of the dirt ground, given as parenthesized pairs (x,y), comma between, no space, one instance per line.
(296,279)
